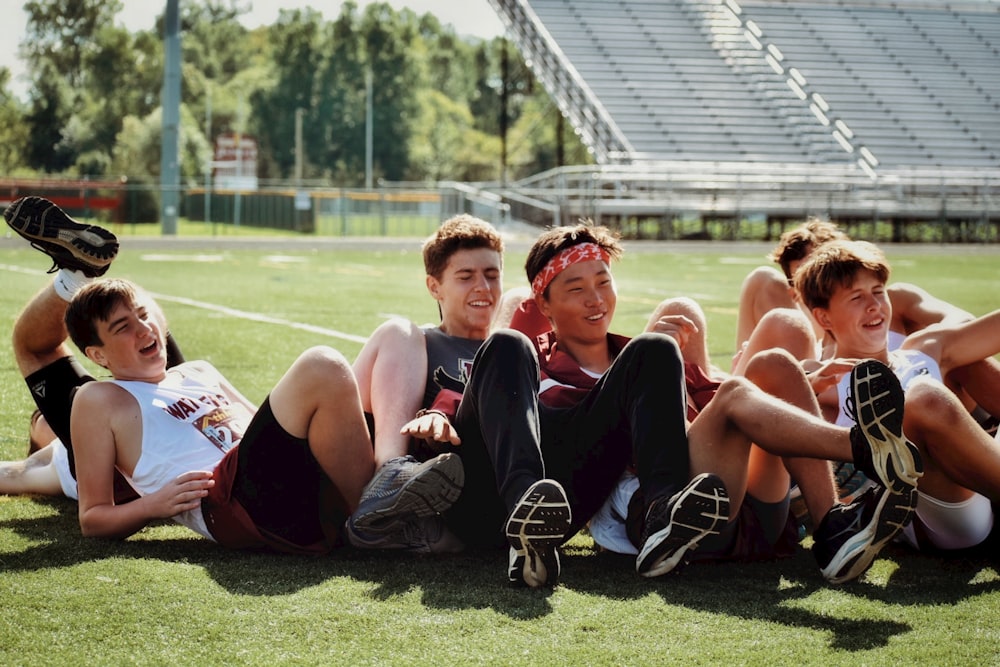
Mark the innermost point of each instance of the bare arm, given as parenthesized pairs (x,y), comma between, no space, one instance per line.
(960,344)
(913,309)
(107,431)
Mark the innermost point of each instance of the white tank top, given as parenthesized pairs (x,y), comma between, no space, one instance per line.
(908,365)
(188,423)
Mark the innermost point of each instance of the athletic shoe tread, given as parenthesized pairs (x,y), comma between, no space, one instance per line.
(71,245)
(675,526)
(535,528)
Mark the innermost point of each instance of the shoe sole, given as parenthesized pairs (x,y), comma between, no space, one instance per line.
(857,554)
(433,488)
(701,507)
(877,398)
(71,244)
(537,526)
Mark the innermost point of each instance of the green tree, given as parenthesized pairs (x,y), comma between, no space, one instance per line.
(13,131)
(388,39)
(446,145)
(62,34)
(49,147)
(337,122)
(298,42)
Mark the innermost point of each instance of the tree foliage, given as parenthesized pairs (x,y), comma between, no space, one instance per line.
(439,103)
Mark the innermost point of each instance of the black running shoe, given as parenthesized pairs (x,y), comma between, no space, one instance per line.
(676,525)
(850,536)
(536,527)
(71,245)
(879,447)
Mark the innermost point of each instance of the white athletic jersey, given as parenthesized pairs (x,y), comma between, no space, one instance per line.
(188,424)
(894,340)
(908,365)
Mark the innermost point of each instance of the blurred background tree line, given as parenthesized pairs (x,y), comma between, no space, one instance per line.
(445,107)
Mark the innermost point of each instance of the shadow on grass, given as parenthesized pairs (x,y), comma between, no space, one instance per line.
(775,592)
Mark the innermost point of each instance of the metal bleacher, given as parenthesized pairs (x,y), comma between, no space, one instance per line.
(854,110)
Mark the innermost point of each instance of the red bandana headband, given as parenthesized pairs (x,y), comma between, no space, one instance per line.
(582,252)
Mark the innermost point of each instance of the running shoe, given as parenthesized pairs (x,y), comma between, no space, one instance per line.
(421,535)
(880,449)
(404,489)
(536,527)
(71,245)
(676,525)
(850,536)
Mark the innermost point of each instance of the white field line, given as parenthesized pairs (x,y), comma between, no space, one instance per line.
(225,310)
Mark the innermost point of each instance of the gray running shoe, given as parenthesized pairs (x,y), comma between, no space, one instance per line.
(403,489)
(535,528)
(675,525)
(426,535)
(71,245)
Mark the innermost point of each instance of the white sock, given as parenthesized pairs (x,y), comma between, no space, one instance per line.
(68,282)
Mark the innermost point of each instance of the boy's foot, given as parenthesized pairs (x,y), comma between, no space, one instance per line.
(403,489)
(422,535)
(536,527)
(71,245)
(880,449)
(850,536)
(676,525)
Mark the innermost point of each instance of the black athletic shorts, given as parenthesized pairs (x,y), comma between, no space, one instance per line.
(282,486)
(53,388)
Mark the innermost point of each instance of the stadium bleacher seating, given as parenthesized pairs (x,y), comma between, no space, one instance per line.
(888,100)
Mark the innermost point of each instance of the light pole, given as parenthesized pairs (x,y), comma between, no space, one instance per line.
(170,101)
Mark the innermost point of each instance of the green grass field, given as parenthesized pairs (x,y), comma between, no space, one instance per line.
(167,597)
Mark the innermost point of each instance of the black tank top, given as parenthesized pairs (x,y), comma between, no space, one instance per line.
(449,362)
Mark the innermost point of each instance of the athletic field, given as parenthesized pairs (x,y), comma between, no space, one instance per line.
(250,306)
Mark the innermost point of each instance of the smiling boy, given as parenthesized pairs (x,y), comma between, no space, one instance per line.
(404,368)
(844,285)
(547,428)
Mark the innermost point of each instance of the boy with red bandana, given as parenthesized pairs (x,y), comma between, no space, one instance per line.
(546,429)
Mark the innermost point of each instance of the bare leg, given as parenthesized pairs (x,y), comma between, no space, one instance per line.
(742,413)
(764,289)
(980,382)
(35,475)
(959,456)
(784,328)
(391,371)
(509,303)
(695,349)
(40,336)
(780,375)
(318,399)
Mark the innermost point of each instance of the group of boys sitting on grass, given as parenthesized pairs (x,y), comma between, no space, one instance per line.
(520,419)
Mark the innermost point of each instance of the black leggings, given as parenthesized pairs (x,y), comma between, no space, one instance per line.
(634,414)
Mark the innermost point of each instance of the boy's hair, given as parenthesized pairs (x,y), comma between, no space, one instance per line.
(461,232)
(555,240)
(93,303)
(798,242)
(836,264)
